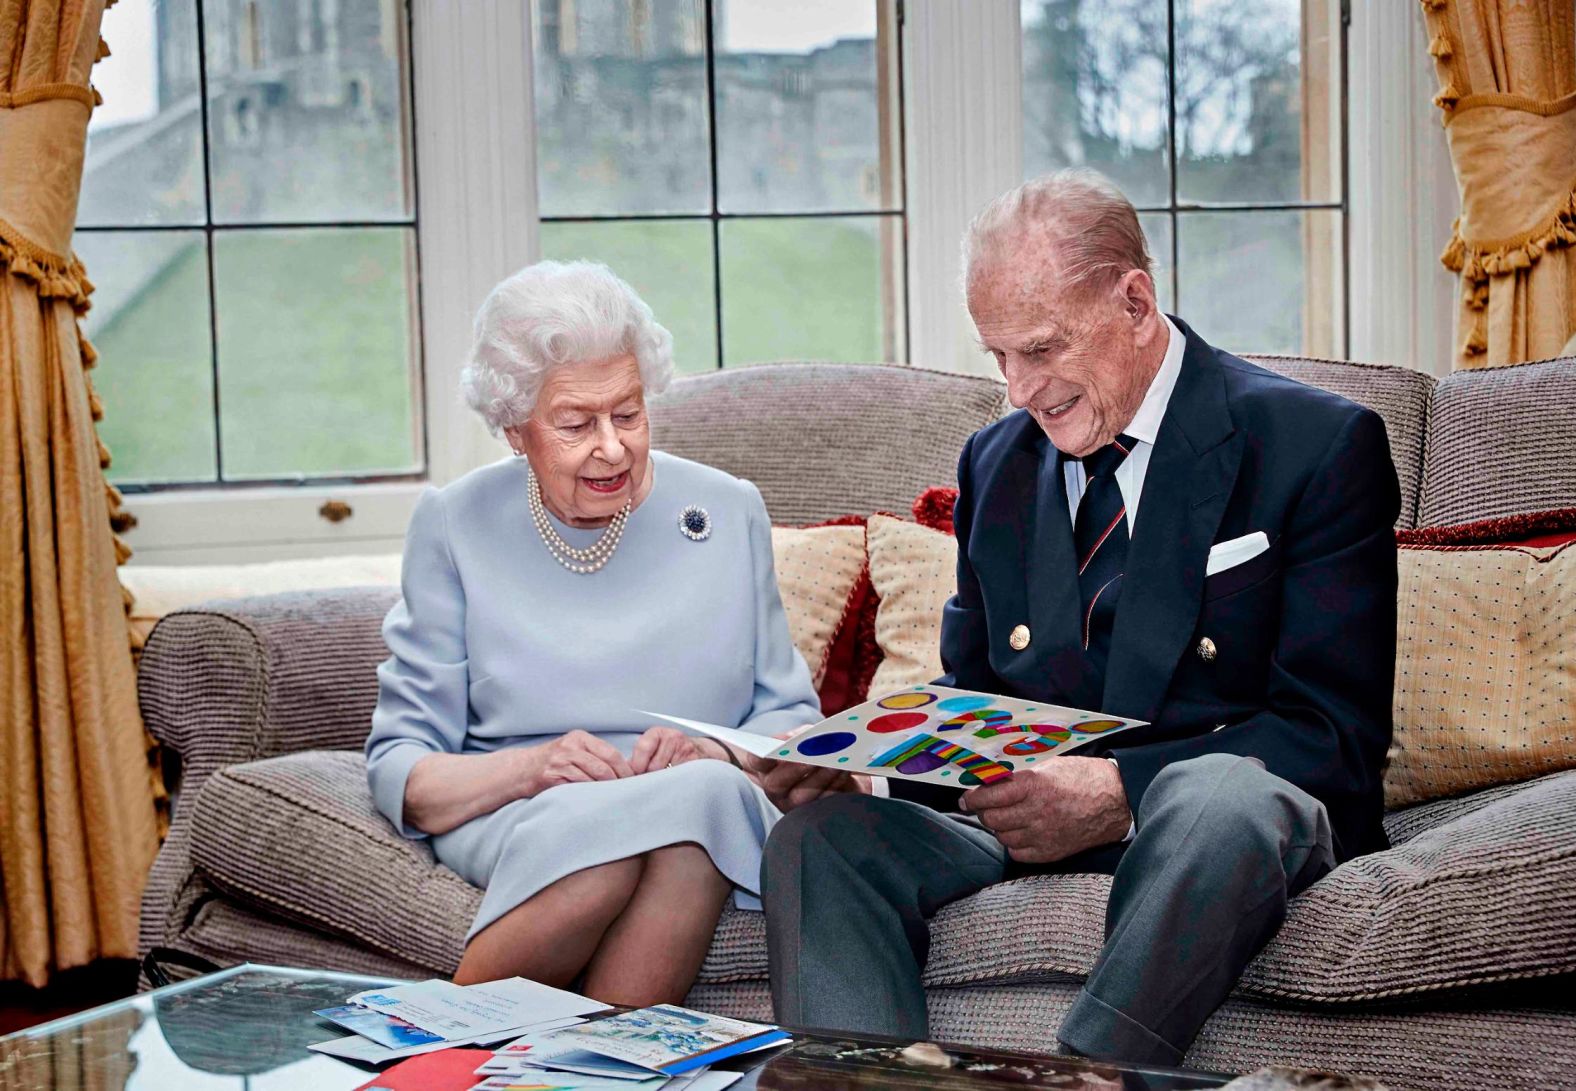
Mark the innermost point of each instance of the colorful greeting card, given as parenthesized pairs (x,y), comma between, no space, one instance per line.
(954,737)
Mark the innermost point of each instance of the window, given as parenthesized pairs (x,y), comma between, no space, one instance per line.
(1223,122)
(248,216)
(739,162)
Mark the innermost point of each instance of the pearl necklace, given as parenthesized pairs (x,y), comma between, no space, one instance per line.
(580,561)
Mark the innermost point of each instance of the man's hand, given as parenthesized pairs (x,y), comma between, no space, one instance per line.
(659,747)
(790,784)
(1055,810)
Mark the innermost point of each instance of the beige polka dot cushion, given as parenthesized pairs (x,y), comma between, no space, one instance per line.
(817,570)
(1485,681)
(914,570)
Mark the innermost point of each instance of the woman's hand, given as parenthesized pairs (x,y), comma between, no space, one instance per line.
(790,784)
(574,757)
(660,747)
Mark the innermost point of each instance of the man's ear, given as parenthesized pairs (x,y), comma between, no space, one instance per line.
(1137,291)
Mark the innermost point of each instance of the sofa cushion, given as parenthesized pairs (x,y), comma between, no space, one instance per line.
(1428,915)
(1398,394)
(818,572)
(1500,442)
(914,570)
(1485,675)
(297,835)
(822,440)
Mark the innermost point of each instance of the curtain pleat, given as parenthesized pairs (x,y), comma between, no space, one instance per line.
(77,819)
(1508,69)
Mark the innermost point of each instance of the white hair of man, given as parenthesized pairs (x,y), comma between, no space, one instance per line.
(1092,226)
(553,314)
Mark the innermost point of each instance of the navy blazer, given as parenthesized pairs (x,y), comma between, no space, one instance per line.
(1304,633)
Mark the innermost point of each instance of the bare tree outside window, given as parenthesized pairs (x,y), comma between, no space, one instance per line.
(1222,123)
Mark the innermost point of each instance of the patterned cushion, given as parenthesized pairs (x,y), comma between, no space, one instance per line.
(818,570)
(1500,442)
(914,570)
(823,440)
(1398,394)
(1485,668)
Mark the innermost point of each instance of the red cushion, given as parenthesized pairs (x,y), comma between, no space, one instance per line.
(1538,528)
(933,508)
(853,656)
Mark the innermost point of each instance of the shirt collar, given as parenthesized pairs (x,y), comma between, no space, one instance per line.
(1145,425)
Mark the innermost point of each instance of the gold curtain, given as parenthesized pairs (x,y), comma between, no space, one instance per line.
(77,830)
(1509,101)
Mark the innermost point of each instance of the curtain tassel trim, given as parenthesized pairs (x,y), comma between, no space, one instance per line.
(54,276)
(1476,264)
(57,277)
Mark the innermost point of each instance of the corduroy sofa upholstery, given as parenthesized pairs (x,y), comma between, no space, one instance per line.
(1446,962)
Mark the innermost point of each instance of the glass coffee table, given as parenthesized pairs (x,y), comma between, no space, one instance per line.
(249,1026)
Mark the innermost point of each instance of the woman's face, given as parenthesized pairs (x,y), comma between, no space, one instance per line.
(588,440)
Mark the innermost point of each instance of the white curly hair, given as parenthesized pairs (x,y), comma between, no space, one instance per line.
(549,315)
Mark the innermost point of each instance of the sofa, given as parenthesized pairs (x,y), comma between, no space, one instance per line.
(1448,961)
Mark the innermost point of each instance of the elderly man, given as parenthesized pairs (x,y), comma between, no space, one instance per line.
(1162,531)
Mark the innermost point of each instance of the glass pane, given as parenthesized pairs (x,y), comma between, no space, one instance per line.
(1291,302)
(1094,92)
(811,289)
(307,110)
(1157,232)
(149,323)
(621,107)
(1241,106)
(317,351)
(144,161)
(668,263)
(805,117)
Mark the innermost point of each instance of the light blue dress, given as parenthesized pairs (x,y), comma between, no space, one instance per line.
(496,644)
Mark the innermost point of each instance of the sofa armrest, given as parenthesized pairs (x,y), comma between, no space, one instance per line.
(1481,897)
(244,679)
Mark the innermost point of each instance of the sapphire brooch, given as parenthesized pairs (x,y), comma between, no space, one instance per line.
(695,523)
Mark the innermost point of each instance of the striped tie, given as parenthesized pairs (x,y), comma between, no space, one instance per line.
(1100,541)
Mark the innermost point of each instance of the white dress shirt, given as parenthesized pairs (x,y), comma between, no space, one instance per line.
(1144,428)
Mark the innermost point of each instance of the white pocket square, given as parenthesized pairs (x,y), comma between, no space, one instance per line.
(1224,555)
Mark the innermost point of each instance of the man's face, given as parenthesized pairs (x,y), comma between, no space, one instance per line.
(1073,360)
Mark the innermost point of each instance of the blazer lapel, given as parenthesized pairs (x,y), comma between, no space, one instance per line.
(1061,666)
(1187,485)
(1040,534)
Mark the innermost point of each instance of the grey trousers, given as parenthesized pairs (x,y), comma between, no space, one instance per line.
(850,882)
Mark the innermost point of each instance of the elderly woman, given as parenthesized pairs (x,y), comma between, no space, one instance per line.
(548,598)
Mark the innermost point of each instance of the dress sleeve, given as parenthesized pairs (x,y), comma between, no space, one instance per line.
(785,696)
(423,686)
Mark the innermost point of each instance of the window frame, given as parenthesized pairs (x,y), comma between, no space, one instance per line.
(212,229)
(894,275)
(477,222)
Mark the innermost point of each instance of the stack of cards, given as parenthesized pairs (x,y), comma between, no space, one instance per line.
(666,1047)
(547,1042)
(409,1020)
